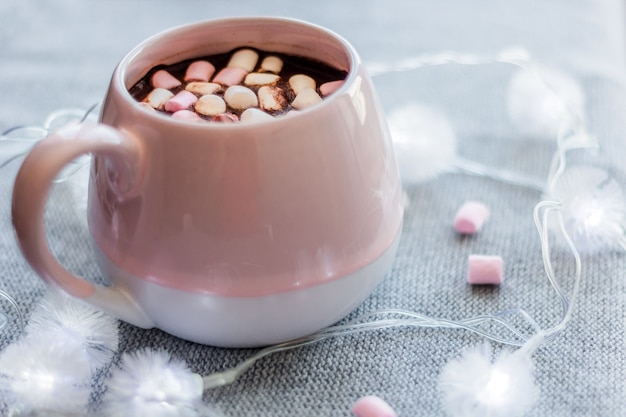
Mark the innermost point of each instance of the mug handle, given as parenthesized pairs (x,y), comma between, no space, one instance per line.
(30,193)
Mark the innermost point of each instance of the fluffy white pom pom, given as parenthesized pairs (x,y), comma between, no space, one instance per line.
(473,386)
(78,325)
(424,141)
(593,208)
(151,383)
(540,101)
(41,373)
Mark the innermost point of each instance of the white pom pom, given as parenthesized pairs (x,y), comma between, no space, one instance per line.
(42,373)
(424,141)
(593,208)
(151,383)
(472,386)
(78,325)
(540,101)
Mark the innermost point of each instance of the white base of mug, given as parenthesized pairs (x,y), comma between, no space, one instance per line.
(251,321)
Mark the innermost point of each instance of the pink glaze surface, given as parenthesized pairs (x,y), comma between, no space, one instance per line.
(255,208)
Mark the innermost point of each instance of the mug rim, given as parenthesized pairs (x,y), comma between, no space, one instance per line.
(121,72)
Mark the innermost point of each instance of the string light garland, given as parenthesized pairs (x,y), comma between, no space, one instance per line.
(582,205)
(473,385)
(593,208)
(426,147)
(92,332)
(152,383)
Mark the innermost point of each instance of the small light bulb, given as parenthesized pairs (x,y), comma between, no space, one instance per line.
(496,388)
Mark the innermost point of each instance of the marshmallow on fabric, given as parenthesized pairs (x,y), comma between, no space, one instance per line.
(372,406)
(484,269)
(470,217)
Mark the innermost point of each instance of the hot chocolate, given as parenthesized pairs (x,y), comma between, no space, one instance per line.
(244,84)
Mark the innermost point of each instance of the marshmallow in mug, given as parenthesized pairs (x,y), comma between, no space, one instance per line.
(221,88)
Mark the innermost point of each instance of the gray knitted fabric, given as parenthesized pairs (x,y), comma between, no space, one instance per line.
(61,54)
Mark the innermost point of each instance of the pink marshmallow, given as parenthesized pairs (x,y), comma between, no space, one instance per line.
(187,115)
(181,101)
(230,76)
(225,117)
(330,87)
(470,217)
(484,269)
(163,79)
(199,71)
(372,406)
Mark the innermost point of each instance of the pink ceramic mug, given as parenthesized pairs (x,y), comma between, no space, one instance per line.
(239,234)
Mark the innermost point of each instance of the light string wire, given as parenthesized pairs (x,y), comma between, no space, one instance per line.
(30,135)
(18,311)
(572,122)
(571,131)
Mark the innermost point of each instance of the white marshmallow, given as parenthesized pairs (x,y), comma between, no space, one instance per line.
(240,98)
(158,97)
(210,105)
(306,98)
(202,88)
(271,98)
(470,217)
(299,82)
(254,115)
(272,64)
(245,59)
(261,78)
